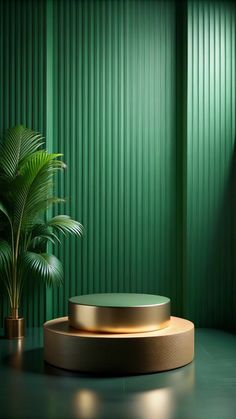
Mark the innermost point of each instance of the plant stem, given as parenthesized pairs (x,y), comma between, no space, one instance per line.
(15,293)
(11,288)
(14,313)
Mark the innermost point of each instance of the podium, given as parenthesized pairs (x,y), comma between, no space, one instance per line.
(119,333)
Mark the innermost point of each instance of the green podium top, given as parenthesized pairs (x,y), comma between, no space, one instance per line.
(119,300)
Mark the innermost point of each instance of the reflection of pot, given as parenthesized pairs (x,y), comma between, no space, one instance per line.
(14,328)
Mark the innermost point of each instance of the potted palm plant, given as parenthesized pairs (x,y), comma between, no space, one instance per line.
(27,173)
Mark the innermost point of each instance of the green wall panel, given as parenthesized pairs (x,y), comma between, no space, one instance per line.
(114,120)
(211,291)
(140,98)
(22,96)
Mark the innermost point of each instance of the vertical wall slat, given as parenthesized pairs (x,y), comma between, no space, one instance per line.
(211,163)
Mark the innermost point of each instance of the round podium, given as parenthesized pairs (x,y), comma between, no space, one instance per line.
(119,334)
(119,312)
(118,353)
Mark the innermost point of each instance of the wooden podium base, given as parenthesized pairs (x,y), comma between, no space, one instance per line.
(126,353)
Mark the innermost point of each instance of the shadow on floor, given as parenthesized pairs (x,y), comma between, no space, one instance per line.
(32,361)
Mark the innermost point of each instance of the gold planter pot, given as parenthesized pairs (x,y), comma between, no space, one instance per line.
(14,328)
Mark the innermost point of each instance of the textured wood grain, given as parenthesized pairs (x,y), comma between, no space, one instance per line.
(133,353)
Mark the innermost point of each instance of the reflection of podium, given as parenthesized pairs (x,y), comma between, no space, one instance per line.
(119,334)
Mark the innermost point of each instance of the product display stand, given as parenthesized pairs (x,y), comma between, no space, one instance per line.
(119,334)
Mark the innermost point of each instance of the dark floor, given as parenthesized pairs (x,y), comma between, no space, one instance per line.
(205,389)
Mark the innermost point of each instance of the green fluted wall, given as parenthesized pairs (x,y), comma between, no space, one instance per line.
(22,97)
(114,120)
(211,181)
(145,117)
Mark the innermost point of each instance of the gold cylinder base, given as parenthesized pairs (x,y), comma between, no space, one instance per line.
(14,328)
(134,353)
(119,312)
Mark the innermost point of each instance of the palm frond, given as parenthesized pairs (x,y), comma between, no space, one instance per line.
(32,213)
(6,267)
(4,211)
(39,237)
(32,187)
(17,144)
(42,266)
(64,224)
(6,226)
(5,258)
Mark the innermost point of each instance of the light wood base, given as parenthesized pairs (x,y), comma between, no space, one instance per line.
(134,353)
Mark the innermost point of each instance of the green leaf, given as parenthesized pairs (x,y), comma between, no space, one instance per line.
(6,233)
(42,266)
(5,258)
(5,212)
(32,187)
(17,144)
(40,236)
(64,224)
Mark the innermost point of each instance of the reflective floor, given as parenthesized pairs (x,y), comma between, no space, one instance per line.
(205,389)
